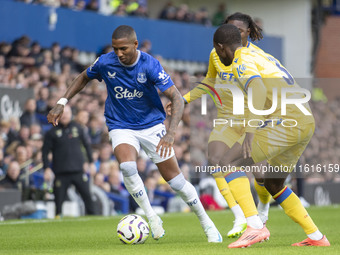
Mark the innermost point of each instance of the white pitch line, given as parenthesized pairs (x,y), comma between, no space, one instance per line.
(49,221)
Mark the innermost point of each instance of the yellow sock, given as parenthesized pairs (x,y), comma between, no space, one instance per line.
(292,206)
(224,189)
(262,192)
(240,188)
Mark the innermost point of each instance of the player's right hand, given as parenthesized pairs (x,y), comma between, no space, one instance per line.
(165,145)
(55,114)
(246,145)
(168,108)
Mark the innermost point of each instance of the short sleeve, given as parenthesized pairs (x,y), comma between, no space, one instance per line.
(211,74)
(93,70)
(245,69)
(159,77)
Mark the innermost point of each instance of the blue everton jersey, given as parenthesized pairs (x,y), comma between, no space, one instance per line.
(133,101)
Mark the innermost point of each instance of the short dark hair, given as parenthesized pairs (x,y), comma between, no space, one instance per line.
(255,30)
(123,31)
(227,34)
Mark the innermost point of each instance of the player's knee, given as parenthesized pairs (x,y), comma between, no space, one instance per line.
(178,182)
(214,160)
(128,168)
(260,180)
(273,187)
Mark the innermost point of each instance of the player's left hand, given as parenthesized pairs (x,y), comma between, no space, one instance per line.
(246,145)
(165,144)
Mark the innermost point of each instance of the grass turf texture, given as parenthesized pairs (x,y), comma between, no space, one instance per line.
(97,235)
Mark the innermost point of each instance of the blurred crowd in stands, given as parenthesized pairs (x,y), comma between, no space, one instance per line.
(324,147)
(25,64)
(139,8)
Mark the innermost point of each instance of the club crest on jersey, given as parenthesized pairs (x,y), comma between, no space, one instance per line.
(111,75)
(141,77)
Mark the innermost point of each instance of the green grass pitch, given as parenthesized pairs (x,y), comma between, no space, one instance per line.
(97,235)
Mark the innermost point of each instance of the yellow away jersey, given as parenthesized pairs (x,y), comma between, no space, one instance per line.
(218,74)
(249,64)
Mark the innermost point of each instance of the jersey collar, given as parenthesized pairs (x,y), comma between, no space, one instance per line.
(133,64)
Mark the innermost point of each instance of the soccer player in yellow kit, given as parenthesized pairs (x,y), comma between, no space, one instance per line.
(222,138)
(268,84)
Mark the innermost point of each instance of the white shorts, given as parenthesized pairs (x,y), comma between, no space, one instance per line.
(148,139)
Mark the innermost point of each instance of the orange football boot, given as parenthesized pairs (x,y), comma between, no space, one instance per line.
(251,236)
(310,242)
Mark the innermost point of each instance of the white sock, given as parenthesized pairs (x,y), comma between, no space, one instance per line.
(189,195)
(263,208)
(317,235)
(238,213)
(254,222)
(135,186)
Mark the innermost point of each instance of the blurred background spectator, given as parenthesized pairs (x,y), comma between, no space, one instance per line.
(11,180)
(137,8)
(220,15)
(66,142)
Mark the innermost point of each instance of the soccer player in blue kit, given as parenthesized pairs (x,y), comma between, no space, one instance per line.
(134,116)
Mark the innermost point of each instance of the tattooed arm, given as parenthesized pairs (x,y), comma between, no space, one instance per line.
(177,107)
(165,144)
